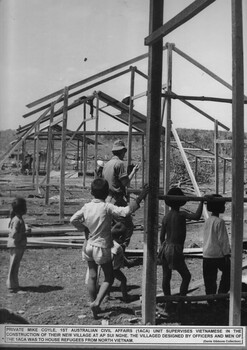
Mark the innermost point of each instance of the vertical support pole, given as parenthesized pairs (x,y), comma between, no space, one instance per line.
(131,105)
(237,163)
(37,158)
(163,161)
(84,150)
(153,168)
(224,176)
(168,123)
(143,159)
(18,156)
(96,134)
(53,151)
(77,155)
(216,155)
(23,151)
(163,143)
(34,158)
(196,167)
(48,163)
(63,154)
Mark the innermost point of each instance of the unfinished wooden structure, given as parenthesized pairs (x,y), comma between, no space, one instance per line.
(154,40)
(155,128)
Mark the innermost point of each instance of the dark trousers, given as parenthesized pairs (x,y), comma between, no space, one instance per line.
(210,271)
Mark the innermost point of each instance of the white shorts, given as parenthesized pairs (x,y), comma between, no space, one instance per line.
(99,255)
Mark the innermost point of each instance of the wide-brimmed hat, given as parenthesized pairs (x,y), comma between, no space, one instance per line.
(118,146)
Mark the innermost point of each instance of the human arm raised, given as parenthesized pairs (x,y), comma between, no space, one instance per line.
(126,179)
(194,216)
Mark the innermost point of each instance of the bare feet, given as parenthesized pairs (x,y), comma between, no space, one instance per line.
(95,310)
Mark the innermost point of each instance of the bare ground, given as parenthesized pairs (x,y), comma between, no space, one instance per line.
(53,278)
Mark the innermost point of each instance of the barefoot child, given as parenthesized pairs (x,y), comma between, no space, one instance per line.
(97,217)
(118,235)
(17,241)
(172,237)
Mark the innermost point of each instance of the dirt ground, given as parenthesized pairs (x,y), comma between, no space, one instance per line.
(54,278)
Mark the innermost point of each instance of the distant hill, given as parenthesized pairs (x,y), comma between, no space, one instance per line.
(198,137)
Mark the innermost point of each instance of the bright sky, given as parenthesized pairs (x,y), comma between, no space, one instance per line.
(43,44)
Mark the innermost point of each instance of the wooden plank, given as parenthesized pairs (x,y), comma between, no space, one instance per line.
(182,17)
(36,156)
(48,162)
(203,113)
(63,154)
(84,148)
(91,86)
(168,121)
(141,73)
(4,212)
(187,164)
(216,153)
(130,122)
(200,98)
(96,132)
(199,297)
(27,133)
(151,208)
(237,162)
(92,77)
(57,113)
(224,176)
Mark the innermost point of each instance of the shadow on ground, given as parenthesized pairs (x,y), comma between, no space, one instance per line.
(41,289)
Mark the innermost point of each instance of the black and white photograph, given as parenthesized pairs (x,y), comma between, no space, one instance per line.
(123,174)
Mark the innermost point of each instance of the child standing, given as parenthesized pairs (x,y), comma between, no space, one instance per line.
(172,237)
(118,235)
(216,248)
(17,241)
(97,217)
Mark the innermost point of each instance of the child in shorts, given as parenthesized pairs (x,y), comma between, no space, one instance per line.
(17,241)
(97,217)
(216,249)
(172,237)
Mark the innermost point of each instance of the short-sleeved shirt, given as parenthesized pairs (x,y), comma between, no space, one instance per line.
(113,172)
(17,233)
(97,216)
(215,238)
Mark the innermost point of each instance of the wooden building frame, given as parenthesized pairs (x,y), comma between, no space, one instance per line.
(152,128)
(154,41)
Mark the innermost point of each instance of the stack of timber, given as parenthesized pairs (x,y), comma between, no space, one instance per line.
(57,236)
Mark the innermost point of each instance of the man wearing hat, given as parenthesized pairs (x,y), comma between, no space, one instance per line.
(118,178)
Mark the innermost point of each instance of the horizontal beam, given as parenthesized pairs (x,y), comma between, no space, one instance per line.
(184,16)
(203,113)
(200,98)
(198,199)
(199,297)
(92,77)
(188,198)
(204,69)
(99,82)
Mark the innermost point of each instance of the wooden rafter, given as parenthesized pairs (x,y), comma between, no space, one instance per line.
(184,16)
